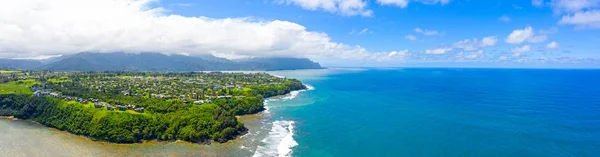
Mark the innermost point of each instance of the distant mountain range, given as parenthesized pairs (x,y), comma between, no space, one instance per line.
(118,61)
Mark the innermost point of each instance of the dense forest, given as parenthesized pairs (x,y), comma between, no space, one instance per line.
(164,119)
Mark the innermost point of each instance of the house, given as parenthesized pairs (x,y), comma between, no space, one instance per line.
(229,86)
(217,86)
(240,88)
(37,93)
(110,107)
(98,105)
(141,109)
(199,102)
(130,106)
(122,108)
(93,100)
(54,95)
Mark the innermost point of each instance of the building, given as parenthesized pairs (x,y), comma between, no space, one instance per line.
(54,95)
(130,106)
(122,108)
(141,109)
(37,93)
(98,105)
(199,102)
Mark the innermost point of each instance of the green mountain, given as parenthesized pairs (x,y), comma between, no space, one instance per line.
(118,61)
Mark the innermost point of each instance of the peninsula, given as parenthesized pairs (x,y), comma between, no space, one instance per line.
(129,107)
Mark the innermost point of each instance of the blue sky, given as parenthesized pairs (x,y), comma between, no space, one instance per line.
(387,27)
(503,33)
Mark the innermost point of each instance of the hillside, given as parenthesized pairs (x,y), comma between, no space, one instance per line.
(117,61)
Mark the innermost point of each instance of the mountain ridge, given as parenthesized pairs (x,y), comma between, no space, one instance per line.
(153,61)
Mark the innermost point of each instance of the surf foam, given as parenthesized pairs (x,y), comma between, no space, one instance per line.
(279,142)
(309,87)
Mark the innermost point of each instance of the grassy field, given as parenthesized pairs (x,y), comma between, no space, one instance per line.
(8,71)
(17,87)
(62,79)
(100,112)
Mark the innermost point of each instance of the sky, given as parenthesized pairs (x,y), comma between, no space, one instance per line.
(370,33)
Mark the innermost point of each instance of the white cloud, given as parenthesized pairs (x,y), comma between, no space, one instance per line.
(431,2)
(410,37)
(438,51)
(504,18)
(343,7)
(400,3)
(537,3)
(570,6)
(426,32)
(404,3)
(366,30)
(475,44)
(585,19)
(471,55)
(363,31)
(182,4)
(537,39)
(524,48)
(489,41)
(352,7)
(524,35)
(30,28)
(474,55)
(553,45)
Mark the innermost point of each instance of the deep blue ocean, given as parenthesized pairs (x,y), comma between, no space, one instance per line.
(444,112)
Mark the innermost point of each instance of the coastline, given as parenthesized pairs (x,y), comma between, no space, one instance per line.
(8,117)
(207,142)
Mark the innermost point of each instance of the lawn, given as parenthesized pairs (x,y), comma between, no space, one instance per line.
(17,87)
(8,71)
(60,80)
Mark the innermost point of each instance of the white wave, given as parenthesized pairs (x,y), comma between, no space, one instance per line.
(279,142)
(278,76)
(266,107)
(309,87)
(292,95)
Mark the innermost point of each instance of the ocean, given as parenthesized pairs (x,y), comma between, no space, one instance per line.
(446,112)
(387,112)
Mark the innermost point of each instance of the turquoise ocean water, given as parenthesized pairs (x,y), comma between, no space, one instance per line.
(437,112)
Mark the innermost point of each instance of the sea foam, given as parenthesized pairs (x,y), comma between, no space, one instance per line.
(279,142)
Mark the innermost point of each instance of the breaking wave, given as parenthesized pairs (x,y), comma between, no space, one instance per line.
(279,142)
(309,87)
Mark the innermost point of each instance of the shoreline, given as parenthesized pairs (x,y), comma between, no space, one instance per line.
(8,117)
(207,142)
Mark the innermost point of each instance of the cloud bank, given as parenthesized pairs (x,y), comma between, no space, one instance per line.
(37,28)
